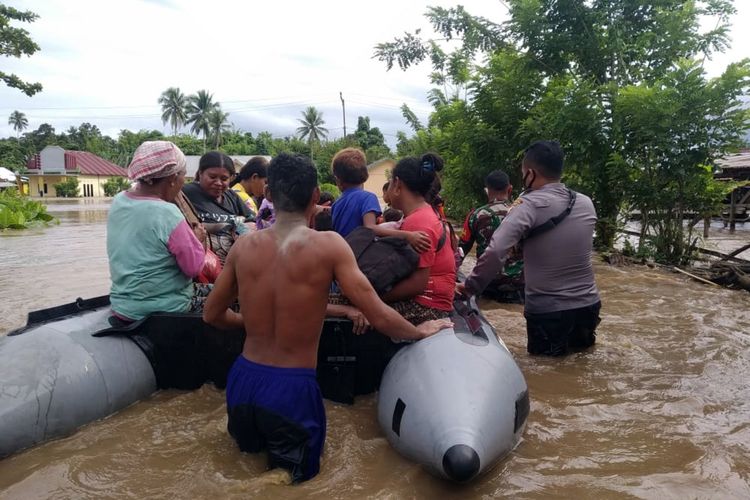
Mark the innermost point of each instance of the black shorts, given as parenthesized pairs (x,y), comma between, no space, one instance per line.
(279,410)
(562,332)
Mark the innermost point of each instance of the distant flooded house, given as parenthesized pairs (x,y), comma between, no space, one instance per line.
(54,165)
(736,168)
(379,172)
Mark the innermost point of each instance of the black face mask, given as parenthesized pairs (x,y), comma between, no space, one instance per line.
(527,185)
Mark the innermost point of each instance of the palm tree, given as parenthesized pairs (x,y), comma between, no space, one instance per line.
(173,108)
(199,107)
(19,122)
(218,124)
(312,127)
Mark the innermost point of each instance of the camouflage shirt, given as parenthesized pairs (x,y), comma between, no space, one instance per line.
(479,227)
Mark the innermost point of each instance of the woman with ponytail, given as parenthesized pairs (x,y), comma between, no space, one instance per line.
(428,292)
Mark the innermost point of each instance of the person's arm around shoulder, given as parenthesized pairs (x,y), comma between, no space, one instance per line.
(358,290)
(515,225)
(419,240)
(216,311)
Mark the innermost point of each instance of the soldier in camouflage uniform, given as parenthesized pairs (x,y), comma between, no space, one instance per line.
(479,227)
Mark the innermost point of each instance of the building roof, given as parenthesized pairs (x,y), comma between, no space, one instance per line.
(734,167)
(84,163)
(7,175)
(739,160)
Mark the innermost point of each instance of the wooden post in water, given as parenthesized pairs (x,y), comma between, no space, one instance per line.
(731,212)
(706,224)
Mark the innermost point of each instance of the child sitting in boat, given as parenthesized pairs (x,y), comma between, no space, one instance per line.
(281,277)
(357,207)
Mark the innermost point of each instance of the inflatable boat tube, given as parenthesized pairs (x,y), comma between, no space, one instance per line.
(56,377)
(455,402)
(69,366)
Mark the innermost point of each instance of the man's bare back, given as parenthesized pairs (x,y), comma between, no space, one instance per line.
(282,277)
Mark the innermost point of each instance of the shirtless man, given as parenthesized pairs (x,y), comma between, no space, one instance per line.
(282,277)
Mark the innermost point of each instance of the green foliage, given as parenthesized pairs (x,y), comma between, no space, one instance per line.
(188,144)
(114,185)
(67,188)
(559,70)
(174,108)
(12,155)
(311,127)
(327,187)
(673,130)
(368,137)
(19,121)
(19,212)
(16,42)
(199,108)
(218,123)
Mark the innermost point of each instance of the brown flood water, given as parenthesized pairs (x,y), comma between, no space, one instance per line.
(660,408)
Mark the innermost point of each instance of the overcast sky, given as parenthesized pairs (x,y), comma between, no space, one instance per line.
(107,62)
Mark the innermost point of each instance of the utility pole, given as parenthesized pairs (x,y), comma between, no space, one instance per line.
(343,111)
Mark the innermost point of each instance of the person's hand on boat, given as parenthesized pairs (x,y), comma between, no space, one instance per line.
(419,240)
(361,325)
(431,327)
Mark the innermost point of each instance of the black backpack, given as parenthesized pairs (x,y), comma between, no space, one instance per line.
(384,261)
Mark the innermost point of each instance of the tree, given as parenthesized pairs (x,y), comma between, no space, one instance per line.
(19,122)
(218,124)
(67,188)
(114,185)
(173,108)
(411,118)
(673,130)
(16,42)
(312,127)
(199,108)
(368,137)
(570,59)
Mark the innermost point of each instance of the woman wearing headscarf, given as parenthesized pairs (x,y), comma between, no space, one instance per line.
(218,207)
(153,253)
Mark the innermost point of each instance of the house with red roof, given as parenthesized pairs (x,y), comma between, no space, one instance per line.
(54,165)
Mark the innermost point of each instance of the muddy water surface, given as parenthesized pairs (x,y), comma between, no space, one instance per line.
(660,408)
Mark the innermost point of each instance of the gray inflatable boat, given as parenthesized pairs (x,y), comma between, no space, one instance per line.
(455,402)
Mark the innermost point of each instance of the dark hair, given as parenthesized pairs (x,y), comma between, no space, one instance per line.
(547,156)
(292,178)
(433,195)
(392,215)
(326,197)
(350,166)
(419,174)
(323,221)
(497,180)
(257,165)
(386,186)
(214,159)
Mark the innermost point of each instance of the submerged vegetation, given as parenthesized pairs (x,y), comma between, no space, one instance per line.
(20,212)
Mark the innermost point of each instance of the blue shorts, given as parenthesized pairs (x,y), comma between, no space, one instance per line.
(279,410)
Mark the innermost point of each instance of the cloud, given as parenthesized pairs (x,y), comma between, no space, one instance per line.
(108,62)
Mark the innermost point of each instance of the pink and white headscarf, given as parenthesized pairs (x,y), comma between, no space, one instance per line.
(155,160)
